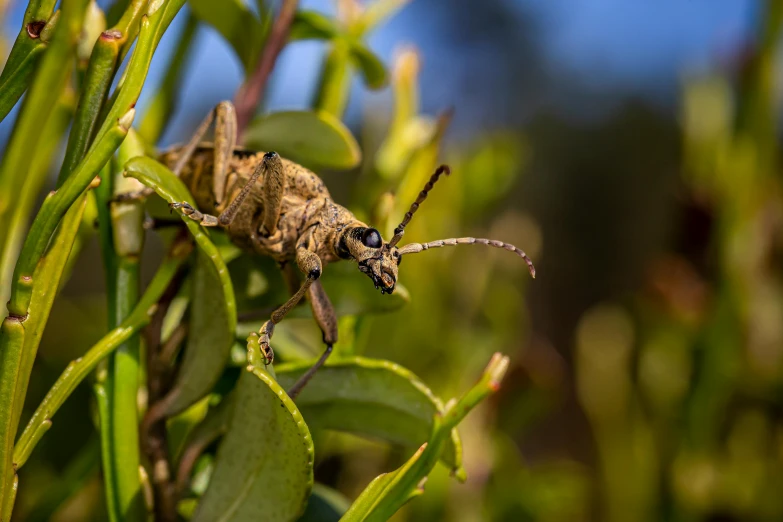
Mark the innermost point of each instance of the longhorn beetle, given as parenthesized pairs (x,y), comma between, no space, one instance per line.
(273,207)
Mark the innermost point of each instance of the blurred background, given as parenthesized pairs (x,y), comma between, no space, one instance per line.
(632,149)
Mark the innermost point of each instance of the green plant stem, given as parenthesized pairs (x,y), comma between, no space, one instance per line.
(164,103)
(16,226)
(152,27)
(125,237)
(98,78)
(78,369)
(16,176)
(19,339)
(110,135)
(15,347)
(335,83)
(103,399)
(124,374)
(27,48)
(52,211)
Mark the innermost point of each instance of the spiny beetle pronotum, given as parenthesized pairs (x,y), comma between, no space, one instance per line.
(273,207)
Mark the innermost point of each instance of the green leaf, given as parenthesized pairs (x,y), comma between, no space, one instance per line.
(237,24)
(373,398)
(334,84)
(213,308)
(210,338)
(264,465)
(363,506)
(312,25)
(314,139)
(370,65)
(390,491)
(325,505)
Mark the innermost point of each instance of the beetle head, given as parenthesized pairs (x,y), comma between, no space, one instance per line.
(365,245)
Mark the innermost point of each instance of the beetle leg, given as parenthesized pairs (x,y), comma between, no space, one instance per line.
(272,190)
(187,151)
(205,220)
(272,169)
(310,264)
(325,316)
(225,143)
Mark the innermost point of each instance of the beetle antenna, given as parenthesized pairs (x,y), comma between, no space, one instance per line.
(415,248)
(400,230)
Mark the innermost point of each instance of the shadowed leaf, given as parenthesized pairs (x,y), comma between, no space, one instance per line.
(371,397)
(264,465)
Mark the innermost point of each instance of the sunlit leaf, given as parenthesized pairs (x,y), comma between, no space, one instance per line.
(373,398)
(314,139)
(264,465)
(370,65)
(312,25)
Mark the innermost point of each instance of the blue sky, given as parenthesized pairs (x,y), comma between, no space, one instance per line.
(641,45)
(637,41)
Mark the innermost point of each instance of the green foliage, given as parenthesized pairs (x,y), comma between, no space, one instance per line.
(373,398)
(313,139)
(220,439)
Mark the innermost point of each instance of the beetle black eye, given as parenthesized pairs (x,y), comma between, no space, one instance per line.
(372,238)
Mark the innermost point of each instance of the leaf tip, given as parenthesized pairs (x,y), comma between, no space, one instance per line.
(126,120)
(496,369)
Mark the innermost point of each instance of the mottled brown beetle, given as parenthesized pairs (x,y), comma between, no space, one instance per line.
(273,207)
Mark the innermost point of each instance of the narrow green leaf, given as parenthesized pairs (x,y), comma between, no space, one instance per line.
(237,24)
(314,139)
(15,226)
(312,25)
(19,339)
(370,65)
(363,506)
(376,12)
(373,398)
(387,493)
(16,83)
(37,27)
(264,465)
(165,101)
(334,85)
(77,370)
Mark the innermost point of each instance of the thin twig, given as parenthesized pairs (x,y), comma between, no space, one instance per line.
(250,93)
(153,427)
(169,349)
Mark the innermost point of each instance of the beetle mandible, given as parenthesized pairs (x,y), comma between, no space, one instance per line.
(274,207)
